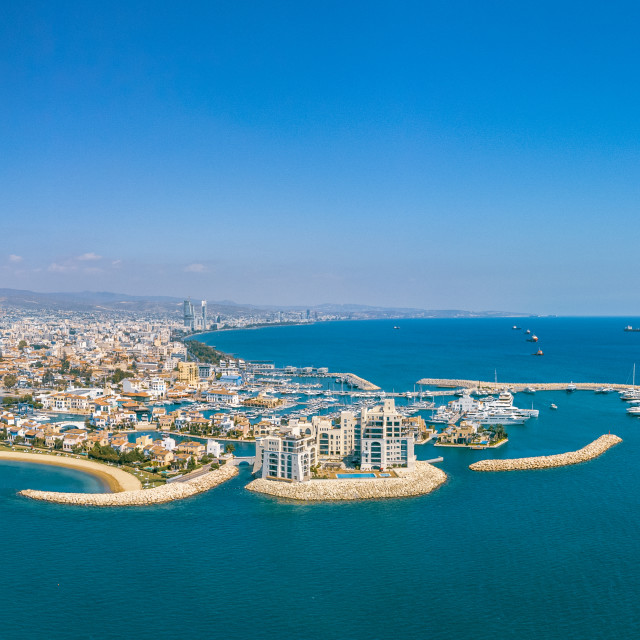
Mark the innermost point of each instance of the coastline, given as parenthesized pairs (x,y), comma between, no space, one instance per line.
(115,479)
(424,479)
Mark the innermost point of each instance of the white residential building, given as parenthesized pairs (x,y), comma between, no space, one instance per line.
(214,448)
(337,440)
(384,441)
(223,396)
(289,454)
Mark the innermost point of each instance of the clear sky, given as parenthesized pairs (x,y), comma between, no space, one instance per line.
(474,155)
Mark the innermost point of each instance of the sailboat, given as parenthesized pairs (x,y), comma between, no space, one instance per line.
(633,393)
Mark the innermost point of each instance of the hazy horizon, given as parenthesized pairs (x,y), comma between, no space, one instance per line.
(428,155)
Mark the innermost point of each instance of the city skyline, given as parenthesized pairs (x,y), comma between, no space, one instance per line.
(440,156)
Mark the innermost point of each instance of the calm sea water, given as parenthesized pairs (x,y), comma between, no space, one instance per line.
(549,554)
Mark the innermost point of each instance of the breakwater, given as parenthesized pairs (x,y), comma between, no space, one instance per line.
(356,381)
(143,497)
(423,479)
(592,450)
(517,386)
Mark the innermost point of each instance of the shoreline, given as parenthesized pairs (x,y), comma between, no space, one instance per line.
(424,479)
(116,480)
(592,450)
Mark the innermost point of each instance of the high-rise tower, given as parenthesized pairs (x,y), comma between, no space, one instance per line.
(188,314)
(204,314)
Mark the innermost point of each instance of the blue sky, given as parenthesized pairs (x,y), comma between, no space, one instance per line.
(429,154)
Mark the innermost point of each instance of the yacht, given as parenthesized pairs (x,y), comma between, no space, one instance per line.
(504,418)
(553,406)
(571,387)
(633,411)
(604,390)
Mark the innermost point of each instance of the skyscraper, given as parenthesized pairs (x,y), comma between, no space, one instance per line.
(204,314)
(188,314)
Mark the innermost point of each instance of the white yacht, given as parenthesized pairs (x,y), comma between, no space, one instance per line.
(571,387)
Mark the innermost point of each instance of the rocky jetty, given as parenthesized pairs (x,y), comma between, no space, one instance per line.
(142,497)
(518,386)
(356,381)
(592,450)
(424,478)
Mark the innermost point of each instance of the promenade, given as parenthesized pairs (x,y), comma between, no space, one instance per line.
(592,450)
(117,480)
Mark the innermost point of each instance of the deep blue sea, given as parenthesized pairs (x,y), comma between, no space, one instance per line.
(540,554)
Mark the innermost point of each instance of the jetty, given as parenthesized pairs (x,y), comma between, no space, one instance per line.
(592,450)
(516,387)
(356,381)
(140,498)
(420,480)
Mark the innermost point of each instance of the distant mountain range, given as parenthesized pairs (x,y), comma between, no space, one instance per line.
(107,301)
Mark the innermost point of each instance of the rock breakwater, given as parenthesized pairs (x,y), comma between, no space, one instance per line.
(143,497)
(424,478)
(592,450)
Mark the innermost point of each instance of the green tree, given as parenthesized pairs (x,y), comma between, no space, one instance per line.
(64,364)
(10,381)
(230,448)
(22,344)
(57,445)
(119,375)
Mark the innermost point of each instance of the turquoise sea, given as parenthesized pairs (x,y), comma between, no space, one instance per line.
(546,554)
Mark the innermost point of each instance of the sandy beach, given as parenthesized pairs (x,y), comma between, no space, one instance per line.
(116,479)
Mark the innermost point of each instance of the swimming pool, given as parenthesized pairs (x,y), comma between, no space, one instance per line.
(350,476)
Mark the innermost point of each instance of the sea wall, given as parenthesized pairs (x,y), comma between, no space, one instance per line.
(143,497)
(356,381)
(423,479)
(519,386)
(592,450)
